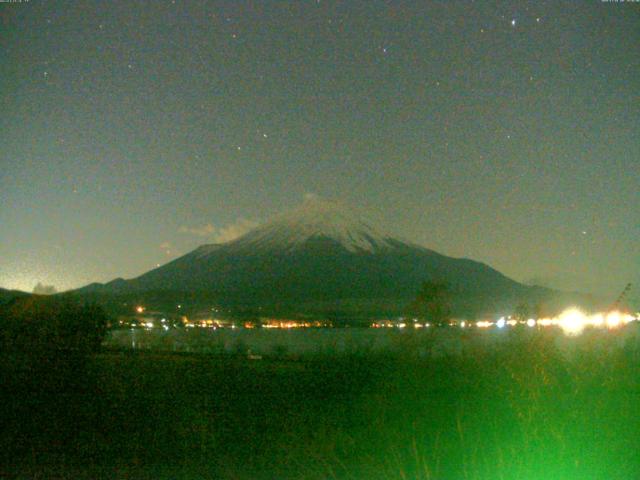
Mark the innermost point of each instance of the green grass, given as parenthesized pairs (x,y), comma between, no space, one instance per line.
(521,410)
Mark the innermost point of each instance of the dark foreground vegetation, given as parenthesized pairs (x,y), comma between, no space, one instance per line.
(520,411)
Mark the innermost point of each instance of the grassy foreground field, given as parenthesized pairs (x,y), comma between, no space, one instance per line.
(521,410)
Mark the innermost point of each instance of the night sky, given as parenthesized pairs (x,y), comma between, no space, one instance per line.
(506,132)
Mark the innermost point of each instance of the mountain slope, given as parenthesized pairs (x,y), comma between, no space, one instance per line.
(323,257)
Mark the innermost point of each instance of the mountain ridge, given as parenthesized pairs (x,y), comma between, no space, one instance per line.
(321,257)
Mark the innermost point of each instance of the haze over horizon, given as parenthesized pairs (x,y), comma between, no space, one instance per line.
(501,132)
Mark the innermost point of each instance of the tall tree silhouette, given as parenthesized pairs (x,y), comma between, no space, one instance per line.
(433,302)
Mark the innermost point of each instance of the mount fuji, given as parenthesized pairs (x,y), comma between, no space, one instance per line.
(322,258)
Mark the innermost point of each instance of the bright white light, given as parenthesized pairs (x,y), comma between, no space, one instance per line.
(501,323)
(572,321)
(463,324)
(531,322)
(597,320)
(614,319)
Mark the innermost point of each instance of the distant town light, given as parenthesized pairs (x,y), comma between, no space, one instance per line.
(572,321)
(614,319)
(531,322)
(139,309)
(501,323)
(597,320)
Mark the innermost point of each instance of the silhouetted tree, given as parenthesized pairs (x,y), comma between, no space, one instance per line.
(522,312)
(45,344)
(45,325)
(45,341)
(433,302)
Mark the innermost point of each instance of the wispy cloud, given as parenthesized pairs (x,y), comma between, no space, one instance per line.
(222,234)
(202,231)
(233,231)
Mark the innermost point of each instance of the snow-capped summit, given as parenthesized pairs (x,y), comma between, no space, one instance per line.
(316,219)
(322,257)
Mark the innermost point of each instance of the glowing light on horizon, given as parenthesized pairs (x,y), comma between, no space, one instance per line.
(614,319)
(572,321)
